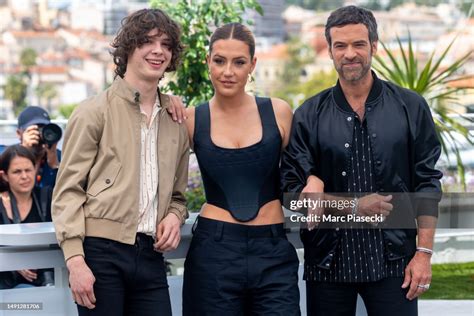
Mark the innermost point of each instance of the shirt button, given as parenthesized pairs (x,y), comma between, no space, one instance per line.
(369,109)
(344,173)
(107,181)
(378,162)
(349,118)
(346,145)
(374,135)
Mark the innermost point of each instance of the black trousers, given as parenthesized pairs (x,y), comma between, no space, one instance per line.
(130,279)
(234,269)
(384,297)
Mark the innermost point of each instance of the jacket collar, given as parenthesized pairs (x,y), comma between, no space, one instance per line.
(124,90)
(374,93)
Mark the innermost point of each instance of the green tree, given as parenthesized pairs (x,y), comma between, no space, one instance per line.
(194,193)
(300,55)
(27,60)
(394,3)
(46,91)
(430,81)
(317,4)
(15,90)
(294,87)
(467,7)
(294,94)
(197,18)
(67,109)
(373,5)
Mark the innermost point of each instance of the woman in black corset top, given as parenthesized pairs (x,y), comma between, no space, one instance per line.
(239,261)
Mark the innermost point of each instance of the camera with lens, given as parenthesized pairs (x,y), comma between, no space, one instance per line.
(45,277)
(10,279)
(50,134)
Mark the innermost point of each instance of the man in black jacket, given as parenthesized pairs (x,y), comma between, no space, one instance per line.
(367,137)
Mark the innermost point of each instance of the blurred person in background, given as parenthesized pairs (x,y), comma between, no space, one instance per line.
(36,132)
(22,202)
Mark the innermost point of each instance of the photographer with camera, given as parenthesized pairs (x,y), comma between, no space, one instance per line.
(23,202)
(37,133)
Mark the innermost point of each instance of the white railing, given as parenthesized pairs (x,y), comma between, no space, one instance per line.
(34,246)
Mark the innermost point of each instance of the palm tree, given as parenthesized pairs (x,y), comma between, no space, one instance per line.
(46,91)
(15,90)
(28,59)
(432,82)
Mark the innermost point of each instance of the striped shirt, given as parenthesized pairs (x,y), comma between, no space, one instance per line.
(359,256)
(148,203)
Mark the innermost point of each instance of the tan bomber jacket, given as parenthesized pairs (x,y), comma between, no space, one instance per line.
(97,186)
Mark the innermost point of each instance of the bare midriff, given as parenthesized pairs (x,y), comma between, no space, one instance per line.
(270,213)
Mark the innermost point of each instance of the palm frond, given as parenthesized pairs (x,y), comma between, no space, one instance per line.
(431,82)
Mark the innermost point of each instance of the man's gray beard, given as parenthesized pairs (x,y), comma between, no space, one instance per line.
(362,74)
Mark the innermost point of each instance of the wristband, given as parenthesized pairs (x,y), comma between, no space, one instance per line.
(425,250)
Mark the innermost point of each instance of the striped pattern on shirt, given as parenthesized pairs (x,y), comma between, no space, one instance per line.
(148,203)
(359,256)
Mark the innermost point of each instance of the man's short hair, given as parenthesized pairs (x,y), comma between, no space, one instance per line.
(352,15)
(134,33)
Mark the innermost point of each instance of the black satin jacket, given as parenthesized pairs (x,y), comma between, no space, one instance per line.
(404,146)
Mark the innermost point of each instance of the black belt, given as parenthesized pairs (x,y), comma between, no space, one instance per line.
(144,240)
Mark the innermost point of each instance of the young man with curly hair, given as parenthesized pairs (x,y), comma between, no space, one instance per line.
(119,199)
